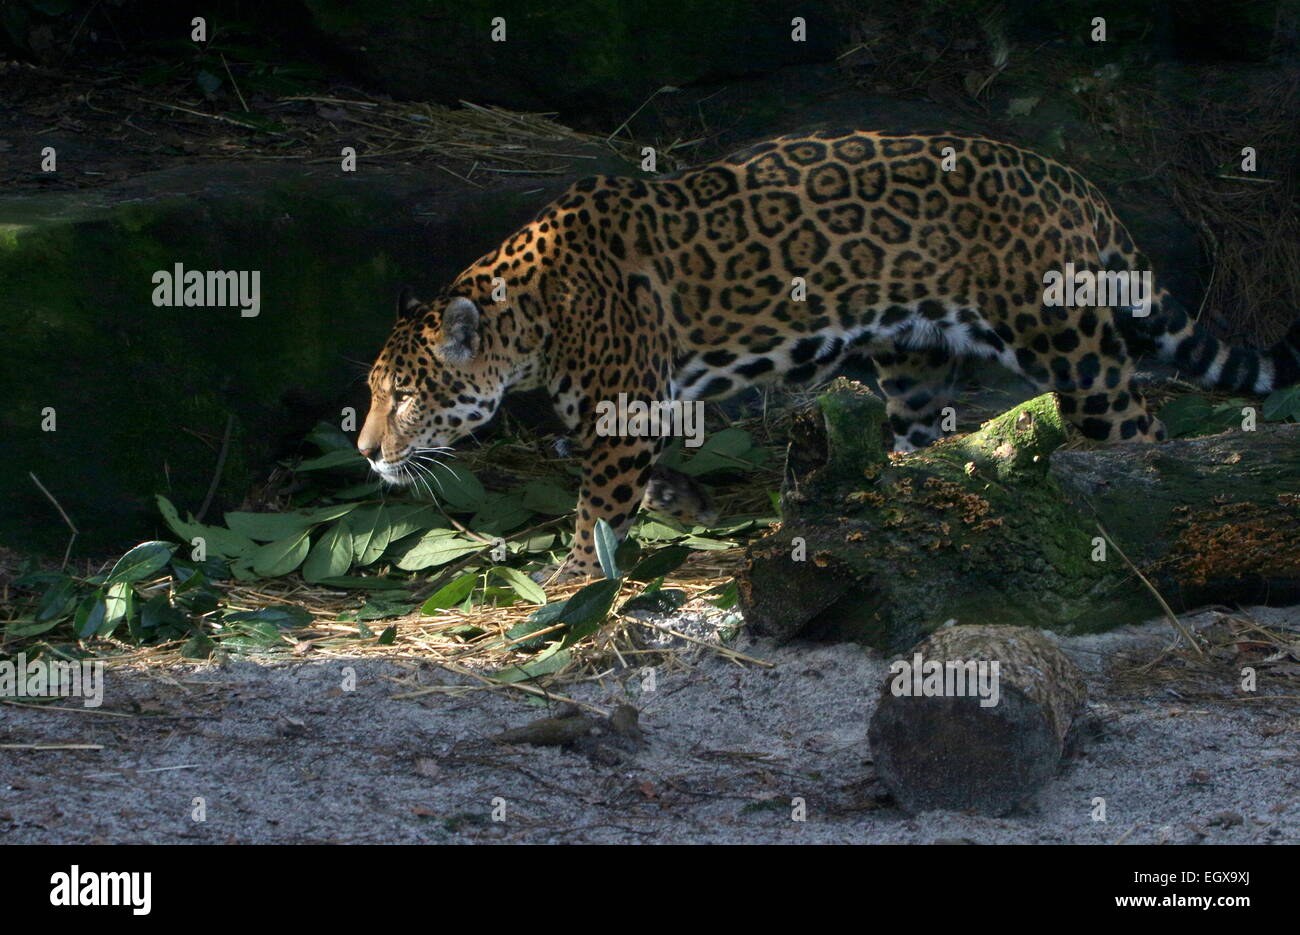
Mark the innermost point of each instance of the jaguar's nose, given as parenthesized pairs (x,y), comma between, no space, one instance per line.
(367,453)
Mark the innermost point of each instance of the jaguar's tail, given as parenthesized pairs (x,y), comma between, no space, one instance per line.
(1171,335)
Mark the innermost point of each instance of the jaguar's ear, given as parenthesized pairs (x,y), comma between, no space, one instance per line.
(407,304)
(459,334)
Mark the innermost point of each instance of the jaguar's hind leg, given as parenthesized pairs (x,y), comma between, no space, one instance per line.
(918,386)
(1084,359)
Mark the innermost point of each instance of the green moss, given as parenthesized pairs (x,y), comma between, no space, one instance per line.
(973,528)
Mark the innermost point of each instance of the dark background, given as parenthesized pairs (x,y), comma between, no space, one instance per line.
(225,155)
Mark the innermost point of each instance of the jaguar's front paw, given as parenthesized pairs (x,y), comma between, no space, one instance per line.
(570,570)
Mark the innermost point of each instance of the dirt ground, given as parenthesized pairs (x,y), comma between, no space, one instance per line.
(282,753)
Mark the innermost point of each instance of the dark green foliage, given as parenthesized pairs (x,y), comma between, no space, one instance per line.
(165,591)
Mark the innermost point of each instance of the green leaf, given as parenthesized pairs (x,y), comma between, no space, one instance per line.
(659,600)
(270,527)
(438,547)
(497,596)
(524,586)
(606,546)
(56,602)
(242,570)
(329,437)
(548,662)
(20,628)
(331,556)
(142,562)
(377,526)
(217,540)
(706,544)
(210,569)
(654,530)
(32,580)
(500,514)
(284,616)
(729,449)
(199,600)
(387,637)
(1283,405)
(724,596)
(358,491)
(282,556)
(588,608)
(362,581)
(451,593)
(628,553)
(251,634)
(188,582)
(371,532)
(548,499)
(541,541)
(119,605)
(739,524)
(1196,415)
(332,459)
(407,518)
(158,614)
(383,604)
(529,626)
(548,614)
(458,489)
(660,563)
(90,616)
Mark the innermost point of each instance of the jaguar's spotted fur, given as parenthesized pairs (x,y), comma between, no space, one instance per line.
(773,265)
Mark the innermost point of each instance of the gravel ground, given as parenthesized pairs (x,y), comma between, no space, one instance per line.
(282,753)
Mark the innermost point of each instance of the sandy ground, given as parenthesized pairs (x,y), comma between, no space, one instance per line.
(280,753)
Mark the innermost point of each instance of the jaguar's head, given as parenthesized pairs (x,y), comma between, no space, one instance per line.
(430,386)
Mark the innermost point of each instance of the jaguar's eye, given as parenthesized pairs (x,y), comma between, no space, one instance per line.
(402,398)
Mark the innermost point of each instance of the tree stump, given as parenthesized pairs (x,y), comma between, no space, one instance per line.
(954,749)
(1001,527)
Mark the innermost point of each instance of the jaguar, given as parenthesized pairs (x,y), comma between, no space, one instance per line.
(775,266)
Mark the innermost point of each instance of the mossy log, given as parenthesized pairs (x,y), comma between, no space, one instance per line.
(1001,527)
(943,737)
